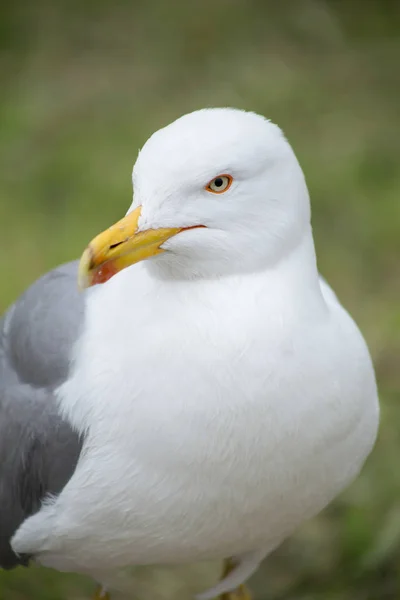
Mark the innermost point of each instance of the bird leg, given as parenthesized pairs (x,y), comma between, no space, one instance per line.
(237,570)
(101,594)
(242,592)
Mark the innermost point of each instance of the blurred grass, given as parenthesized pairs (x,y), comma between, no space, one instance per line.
(83,84)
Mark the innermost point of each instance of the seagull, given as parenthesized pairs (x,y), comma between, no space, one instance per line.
(205,393)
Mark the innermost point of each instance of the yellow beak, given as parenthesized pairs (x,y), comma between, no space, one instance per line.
(119,247)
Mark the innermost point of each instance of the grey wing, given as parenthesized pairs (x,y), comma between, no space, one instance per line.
(38,449)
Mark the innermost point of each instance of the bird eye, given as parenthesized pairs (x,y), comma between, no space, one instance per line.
(219,184)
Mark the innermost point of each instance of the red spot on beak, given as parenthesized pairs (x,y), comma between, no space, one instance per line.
(104,272)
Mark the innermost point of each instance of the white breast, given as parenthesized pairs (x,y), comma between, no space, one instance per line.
(217,423)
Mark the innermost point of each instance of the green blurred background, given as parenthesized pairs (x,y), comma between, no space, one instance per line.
(83,84)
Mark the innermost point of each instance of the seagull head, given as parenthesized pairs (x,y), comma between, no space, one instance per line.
(218,191)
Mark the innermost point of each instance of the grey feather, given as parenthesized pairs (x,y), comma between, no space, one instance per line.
(38,449)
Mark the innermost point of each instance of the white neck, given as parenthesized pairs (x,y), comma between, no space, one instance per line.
(138,314)
(293,282)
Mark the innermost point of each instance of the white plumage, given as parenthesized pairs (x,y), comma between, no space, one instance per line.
(225,394)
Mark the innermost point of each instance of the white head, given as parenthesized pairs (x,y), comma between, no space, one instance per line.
(255,222)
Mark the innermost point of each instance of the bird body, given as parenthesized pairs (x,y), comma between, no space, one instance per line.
(205,415)
(223,394)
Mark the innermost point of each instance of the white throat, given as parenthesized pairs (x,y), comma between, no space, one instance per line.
(117,311)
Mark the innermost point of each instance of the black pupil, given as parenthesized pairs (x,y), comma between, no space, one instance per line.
(218,182)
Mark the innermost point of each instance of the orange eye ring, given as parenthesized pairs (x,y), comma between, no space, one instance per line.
(219,184)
